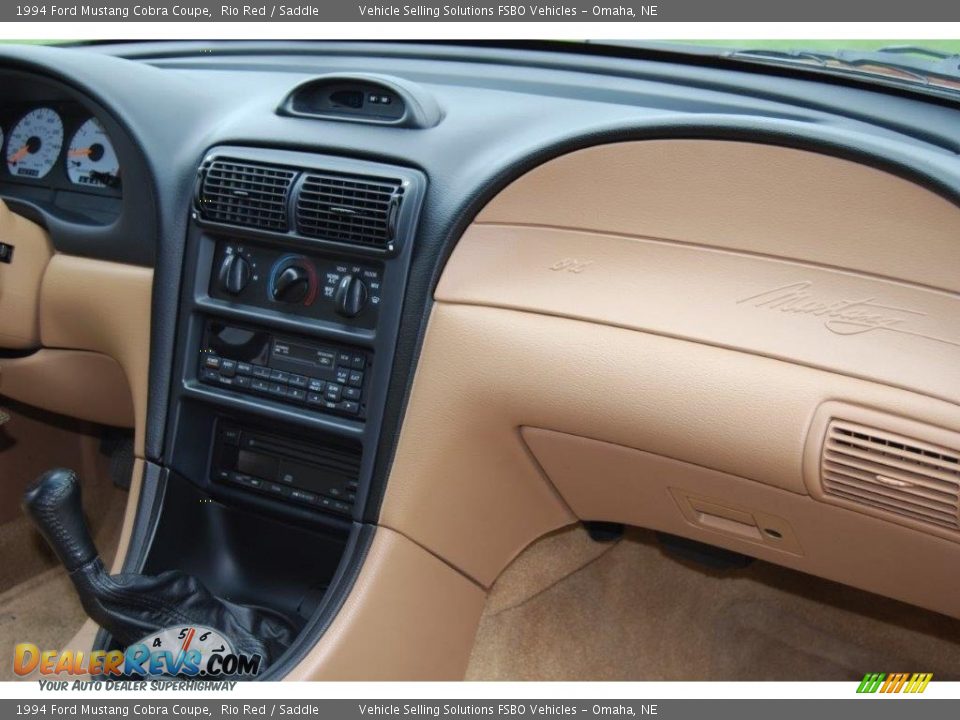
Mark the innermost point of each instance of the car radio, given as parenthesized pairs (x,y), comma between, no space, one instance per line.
(318,376)
(320,474)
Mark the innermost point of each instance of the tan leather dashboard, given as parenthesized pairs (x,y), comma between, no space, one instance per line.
(861,326)
(644,332)
(89,321)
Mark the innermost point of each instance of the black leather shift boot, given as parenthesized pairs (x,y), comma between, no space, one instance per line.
(130,605)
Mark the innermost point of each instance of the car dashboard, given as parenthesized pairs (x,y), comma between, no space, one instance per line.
(388,313)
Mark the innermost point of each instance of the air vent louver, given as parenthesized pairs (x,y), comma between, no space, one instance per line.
(888,473)
(348,208)
(246,194)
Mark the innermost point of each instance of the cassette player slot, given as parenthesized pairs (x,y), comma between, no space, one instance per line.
(318,376)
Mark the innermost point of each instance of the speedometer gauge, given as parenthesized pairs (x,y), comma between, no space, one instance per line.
(91,159)
(34,144)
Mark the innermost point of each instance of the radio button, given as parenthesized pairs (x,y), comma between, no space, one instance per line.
(241,381)
(303,496)
(261,386)
(344,358)
(343,374)
(246,480)
(349,407)
(275,489)
(296,395)
(352,393)
(277,390)
(356,378)
(332,393)
(314,398)
(298,381)
(358,362)
(211,361)
(228,368)
(244,368)
(209,376)
(259,371)
(279,376)
(316,385)
(341,506)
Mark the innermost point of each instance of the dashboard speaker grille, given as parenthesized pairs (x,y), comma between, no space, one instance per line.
(886,473)
(246,194)
(348,208)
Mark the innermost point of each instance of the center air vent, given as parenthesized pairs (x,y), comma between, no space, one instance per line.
(349,209)
(889,474)
(246,194)
(350,206)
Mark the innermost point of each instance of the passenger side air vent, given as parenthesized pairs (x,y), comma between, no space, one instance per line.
(240,193)
(887,473)
(350,209)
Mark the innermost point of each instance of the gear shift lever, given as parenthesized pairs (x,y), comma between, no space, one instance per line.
(54,504)
(131,605)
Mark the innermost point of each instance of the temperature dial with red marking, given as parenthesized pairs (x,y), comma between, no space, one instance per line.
(293,280)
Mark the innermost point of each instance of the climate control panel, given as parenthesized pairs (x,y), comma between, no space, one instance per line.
(323,288)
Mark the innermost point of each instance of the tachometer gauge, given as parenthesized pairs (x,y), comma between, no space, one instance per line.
(91,159)
(34,144)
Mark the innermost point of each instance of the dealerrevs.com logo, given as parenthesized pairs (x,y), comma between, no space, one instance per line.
(190,652)
(895,683)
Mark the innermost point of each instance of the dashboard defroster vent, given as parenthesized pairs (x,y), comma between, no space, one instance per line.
(350,209)
(887,473)
(246,194)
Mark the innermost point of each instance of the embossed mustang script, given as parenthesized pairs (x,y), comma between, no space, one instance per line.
(842,316)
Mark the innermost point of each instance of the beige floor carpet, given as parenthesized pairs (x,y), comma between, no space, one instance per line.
(572,609)
(43,610)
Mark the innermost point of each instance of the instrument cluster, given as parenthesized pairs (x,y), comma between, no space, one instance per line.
(58,145)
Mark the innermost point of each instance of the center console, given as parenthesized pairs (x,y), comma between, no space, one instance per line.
(290,302)
(288,320)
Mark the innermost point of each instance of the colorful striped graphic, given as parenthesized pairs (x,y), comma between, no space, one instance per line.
(895,682)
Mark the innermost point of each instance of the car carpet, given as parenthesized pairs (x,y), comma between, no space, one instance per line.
(571,609)
(44,611)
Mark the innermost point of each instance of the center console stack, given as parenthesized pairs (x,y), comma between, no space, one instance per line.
(294,275)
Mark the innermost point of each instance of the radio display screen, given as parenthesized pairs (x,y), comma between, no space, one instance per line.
(309,354)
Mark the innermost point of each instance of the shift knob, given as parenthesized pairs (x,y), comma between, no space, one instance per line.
(53,502)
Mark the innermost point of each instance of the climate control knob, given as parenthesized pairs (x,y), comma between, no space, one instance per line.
(351,296)
(234,273)
(291,284)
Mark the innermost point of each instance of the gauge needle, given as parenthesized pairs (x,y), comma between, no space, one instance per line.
(82,152)
(19,154)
